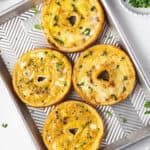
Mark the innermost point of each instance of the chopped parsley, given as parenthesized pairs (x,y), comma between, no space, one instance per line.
(125,78)
(74,8)
(89,53)
(114,96)
(147,104)
(140,3)
(35,10)
(124,89)
(109,113)
(104,53)
(147,112)
(80,66)
(58,66)
(37,26)
(55,20)
(80,84)
(124,120)
(87,31)
(59,41)
(58,3)
(93,8)
(4,125)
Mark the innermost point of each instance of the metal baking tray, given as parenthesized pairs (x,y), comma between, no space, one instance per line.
(19,34)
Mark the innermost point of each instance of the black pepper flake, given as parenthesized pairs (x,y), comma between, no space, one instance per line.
(93,8)
(59,41)
(114,96)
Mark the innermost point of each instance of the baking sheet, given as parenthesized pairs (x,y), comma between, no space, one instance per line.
(18,35)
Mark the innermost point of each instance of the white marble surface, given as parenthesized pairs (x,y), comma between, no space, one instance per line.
(15,136)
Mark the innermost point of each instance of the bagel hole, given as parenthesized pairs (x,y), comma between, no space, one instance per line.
(73,131)
(72,20)
(41,79)
(104,75)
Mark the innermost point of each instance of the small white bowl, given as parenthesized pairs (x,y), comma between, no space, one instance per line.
(137,11)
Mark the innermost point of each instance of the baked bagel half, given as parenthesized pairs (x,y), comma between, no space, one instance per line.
(72,25)
(42,77)
(104,75)
(73,125)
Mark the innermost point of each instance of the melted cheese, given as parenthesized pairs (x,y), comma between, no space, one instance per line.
(72,25)
(99,59)
(73,125)
(39,78)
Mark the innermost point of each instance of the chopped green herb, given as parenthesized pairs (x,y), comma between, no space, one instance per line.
(89,53)
(55,20)
(124,89)
(59,40)
(124,120)
(58,66)
(117,66)
(122,58)
(140,3)
(93,8)
(74,8)
(89,136)
(104,53)
(35,10)
(80,66)
(125,78)
(147,112)
(4,125)
(87,31)
(147,104)
(109,113)
(53,56)
(114,96)
(80,84)
(65,84)
(37,26)
(58,3)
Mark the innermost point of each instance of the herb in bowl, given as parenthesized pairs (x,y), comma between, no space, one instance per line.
(140,3)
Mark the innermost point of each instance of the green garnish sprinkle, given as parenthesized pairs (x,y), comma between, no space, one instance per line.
(109,113)
(140,3)
(147,104)
(4,125)
(58,66)
(37,26)
(35,10)
(147,112)
(87,31)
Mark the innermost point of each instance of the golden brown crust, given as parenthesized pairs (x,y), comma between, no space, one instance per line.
(73,124)
(96,88)
(71,38)
(42,77)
